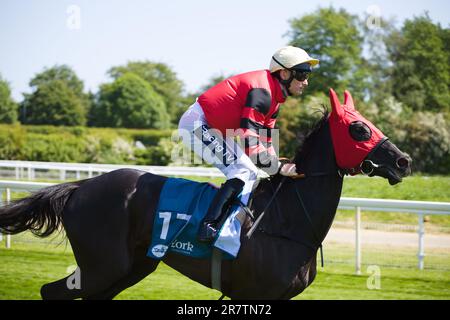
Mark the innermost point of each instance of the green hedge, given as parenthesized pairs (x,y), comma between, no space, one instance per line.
(81,144)
(425,136)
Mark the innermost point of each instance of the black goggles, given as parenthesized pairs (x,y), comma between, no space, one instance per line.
(300,75)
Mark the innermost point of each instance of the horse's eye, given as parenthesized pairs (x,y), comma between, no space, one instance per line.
(360,131)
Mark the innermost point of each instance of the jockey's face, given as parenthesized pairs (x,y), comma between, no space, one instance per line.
(296,87)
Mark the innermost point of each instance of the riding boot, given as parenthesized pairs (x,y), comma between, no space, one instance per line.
(218,209)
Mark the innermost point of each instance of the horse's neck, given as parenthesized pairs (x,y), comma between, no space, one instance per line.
(319,194)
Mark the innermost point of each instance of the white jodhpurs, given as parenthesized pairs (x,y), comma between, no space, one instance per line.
(222,152)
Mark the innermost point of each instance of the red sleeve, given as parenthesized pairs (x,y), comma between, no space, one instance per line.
(255,133)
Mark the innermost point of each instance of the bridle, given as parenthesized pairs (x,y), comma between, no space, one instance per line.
(366,167)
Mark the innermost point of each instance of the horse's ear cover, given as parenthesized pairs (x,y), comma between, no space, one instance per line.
(349,152)
(336,107)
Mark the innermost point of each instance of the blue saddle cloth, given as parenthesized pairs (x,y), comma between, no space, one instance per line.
(182,206)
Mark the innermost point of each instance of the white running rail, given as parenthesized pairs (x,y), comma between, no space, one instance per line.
(421,208)
(30,167)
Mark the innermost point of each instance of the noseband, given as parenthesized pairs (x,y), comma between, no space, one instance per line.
(366,167)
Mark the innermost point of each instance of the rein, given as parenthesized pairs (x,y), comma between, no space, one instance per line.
(311,224)
(300,176)
(366,167)
(255,225)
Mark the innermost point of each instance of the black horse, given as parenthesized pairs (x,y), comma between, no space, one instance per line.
(108,221)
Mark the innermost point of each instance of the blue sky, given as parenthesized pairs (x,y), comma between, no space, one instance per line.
(197,38)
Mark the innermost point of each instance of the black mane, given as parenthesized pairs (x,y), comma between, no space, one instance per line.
(305,140)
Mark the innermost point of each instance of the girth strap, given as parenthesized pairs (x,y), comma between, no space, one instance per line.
(216,258)
(216,269)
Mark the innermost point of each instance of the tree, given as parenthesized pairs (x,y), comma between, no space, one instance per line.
(379,65)
(129,102)
(65,74)
(296,118)
(53,103)
(57,82)
(335,39)
(8,108)
(421,71)
(427,140)
(163,81)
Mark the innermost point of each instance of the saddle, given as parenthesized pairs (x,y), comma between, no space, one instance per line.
(181,208)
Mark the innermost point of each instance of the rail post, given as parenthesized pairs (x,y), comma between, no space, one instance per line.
(358,241)
(62,175)
(421,234)
(8,236)
(1,204)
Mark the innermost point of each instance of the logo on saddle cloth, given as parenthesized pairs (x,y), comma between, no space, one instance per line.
(181,207)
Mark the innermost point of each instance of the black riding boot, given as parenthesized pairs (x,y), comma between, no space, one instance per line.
(218,208)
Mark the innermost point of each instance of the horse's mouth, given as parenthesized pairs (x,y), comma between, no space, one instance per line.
(393,178)
(393,181)
(389,174)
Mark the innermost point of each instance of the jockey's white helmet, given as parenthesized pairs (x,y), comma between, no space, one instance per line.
(289,57)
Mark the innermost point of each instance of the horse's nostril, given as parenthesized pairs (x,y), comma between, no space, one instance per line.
(402,163)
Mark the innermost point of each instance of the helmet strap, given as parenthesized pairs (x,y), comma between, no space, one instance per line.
(285,83)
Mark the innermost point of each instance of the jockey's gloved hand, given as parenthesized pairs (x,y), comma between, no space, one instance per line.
(287,168)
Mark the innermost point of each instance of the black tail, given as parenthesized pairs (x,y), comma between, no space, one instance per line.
(41,212)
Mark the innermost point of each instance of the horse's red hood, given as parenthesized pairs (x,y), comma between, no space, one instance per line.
(349,152)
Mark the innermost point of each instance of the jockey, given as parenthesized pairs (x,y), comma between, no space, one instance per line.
(246,105)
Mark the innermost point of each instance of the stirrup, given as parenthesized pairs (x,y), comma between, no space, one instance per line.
(207,232)
(248,212)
